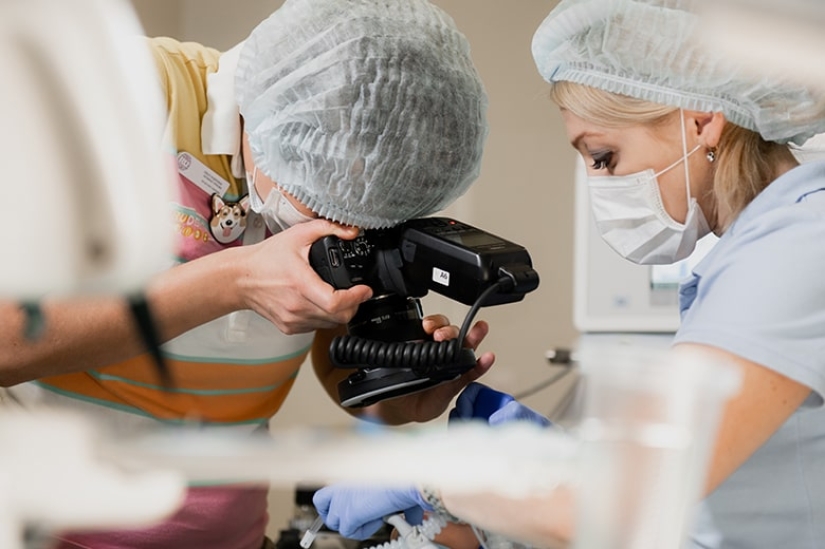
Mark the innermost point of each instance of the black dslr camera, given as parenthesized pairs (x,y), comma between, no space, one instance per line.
(386,342)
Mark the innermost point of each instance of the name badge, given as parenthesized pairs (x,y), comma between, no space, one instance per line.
(201,175)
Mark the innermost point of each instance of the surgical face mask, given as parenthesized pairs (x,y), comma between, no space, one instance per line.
(631,218)
(277,211)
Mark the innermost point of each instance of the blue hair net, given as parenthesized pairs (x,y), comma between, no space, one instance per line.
(653,50)
(369,112)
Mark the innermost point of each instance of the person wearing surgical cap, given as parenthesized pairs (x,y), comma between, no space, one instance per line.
(681,141)
(368,113)
(332,116)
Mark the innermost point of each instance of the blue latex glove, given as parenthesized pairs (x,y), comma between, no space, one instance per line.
(513,411)
(477,401)
(358,512)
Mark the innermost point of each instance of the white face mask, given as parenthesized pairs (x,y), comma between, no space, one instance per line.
(278,212)
(631,218)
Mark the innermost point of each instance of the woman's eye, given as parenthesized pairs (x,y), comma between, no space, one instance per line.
(601,161)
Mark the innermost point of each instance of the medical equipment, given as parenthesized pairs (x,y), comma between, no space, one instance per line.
(306,529)
(409,536)
(647,432)
(386,340)
(421,536)
(312,531)
(494,540)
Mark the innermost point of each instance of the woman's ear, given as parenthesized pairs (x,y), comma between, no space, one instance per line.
(709,126)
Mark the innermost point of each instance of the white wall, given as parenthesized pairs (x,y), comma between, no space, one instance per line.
(524,193)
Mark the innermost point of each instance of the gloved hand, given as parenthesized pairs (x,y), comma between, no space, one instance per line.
(358,512)
(478,401)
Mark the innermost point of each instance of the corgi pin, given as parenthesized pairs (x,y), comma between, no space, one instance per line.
(228,221)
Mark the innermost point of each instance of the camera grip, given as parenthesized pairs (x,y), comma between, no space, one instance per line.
(325,258)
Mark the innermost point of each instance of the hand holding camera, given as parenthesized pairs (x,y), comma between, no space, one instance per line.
(387,345)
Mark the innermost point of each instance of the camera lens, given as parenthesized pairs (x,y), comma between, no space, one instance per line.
(388,317)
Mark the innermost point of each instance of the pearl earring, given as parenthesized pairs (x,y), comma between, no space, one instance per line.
(711,156)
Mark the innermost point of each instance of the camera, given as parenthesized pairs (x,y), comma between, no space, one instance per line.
(386,343)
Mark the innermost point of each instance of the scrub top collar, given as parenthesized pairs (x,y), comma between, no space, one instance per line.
(789,188)
(221,125)
(785,190)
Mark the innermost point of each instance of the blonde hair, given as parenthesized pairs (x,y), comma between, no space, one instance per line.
(745,163)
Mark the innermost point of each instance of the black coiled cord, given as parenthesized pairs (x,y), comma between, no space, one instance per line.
(421,356)
(415,355)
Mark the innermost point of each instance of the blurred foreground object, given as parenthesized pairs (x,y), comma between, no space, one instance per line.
(87,213)
(669,62)
(526,458)
(783,37)
(52,478)
(638,459)
(649,425)
(88,186)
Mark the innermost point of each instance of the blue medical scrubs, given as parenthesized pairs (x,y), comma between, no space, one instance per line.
(760,294)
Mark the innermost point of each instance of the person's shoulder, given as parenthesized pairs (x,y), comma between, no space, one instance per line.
(807,176)
(795,212)
(174,50)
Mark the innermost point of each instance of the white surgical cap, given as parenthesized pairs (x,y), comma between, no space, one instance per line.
(653,50)
(370,112)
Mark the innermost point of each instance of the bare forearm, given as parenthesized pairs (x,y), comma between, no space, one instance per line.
(542,520)
(327,374)
(194,293)
(81,334)
(330,377)
(764,402)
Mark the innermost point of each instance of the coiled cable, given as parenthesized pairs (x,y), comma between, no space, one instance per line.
(416,355)
(421,356)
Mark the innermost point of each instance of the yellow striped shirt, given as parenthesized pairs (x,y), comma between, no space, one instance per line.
(235,370)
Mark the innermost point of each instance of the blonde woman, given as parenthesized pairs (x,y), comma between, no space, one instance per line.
(680,142)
